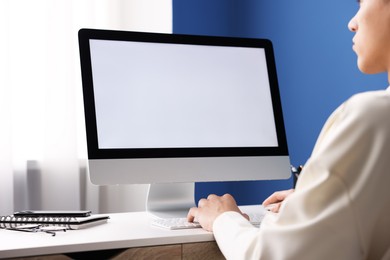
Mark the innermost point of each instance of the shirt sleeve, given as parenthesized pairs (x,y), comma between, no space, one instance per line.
(302,229)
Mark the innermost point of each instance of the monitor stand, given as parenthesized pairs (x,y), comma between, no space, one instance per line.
(170,200)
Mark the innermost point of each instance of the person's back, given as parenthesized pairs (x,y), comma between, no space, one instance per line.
(341,203)
(369,175)
(345,182)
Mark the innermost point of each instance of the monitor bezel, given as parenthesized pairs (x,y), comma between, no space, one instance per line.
(94,152)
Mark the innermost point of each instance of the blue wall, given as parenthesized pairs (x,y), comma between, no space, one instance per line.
(316,66)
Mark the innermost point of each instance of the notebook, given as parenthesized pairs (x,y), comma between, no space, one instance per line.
(12,221)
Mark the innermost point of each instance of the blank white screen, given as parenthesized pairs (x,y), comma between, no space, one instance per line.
(154,95)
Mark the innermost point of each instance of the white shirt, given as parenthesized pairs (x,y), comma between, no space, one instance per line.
(341,205)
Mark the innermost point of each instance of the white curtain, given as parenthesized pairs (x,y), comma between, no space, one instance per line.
(42,134)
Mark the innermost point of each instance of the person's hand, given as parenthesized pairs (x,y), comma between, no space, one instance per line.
(209,209)
(273,202)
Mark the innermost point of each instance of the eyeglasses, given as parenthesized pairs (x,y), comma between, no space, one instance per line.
(39,228)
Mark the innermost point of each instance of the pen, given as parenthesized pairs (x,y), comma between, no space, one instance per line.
(296,171)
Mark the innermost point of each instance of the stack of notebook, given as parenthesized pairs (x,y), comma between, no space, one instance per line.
(63,219)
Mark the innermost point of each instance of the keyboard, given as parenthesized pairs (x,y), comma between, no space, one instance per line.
(182,223)
(174,223)
(255,218)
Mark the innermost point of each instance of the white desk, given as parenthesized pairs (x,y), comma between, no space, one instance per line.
(123,231)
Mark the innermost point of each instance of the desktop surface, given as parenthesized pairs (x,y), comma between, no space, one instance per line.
(123,230)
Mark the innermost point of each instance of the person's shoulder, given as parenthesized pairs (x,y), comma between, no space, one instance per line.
(372,107)
(370,102)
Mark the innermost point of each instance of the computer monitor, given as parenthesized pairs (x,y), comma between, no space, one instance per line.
(170,110)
